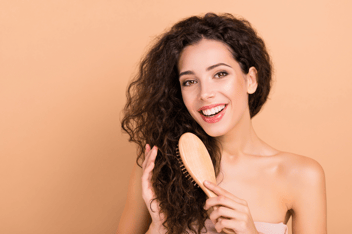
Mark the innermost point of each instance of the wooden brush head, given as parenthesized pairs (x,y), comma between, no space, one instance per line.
(197,161)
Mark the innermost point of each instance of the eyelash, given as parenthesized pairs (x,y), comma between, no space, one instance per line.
(222,72)
(186,83)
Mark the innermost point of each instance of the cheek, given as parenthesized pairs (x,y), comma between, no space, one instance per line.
(188,97)
(186,100)
(236,90)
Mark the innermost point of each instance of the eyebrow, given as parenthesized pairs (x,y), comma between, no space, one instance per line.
(208,69)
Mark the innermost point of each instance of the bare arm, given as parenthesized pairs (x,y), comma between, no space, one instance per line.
(135,217)
(309,206)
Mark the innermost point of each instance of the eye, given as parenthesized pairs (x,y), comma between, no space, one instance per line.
(221,74)
(188,82)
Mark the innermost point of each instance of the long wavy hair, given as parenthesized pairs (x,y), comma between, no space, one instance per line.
(155,112)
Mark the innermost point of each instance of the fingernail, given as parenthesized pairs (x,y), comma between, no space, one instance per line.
(206,182)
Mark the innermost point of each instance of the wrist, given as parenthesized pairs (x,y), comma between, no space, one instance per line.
(155,228)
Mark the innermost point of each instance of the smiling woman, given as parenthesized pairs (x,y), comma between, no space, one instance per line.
(210,76)
(215,87)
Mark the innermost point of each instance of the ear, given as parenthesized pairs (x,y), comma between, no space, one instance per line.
(252,83)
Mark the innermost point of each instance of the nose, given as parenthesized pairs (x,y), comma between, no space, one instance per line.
(207,91)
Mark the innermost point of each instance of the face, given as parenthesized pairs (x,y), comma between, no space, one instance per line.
(214,88)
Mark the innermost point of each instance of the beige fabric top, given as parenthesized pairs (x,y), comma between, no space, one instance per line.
(262,228)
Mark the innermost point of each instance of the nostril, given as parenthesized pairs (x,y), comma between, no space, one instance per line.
(206,90)
(207,95)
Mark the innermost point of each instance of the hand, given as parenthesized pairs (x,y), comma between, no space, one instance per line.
(147,188)
(229,212)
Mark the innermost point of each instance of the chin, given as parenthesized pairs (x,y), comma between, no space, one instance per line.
(215,132)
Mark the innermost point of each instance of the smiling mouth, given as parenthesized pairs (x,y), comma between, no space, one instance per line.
(213,111)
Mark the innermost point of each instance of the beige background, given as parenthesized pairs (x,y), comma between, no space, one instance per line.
(64,68)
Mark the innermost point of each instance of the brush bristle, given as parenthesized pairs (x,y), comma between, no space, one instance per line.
(184,170)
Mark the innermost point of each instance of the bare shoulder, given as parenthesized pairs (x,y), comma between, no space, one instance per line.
(303,175)
(301,167)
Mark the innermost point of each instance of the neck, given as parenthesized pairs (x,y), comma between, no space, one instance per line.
(241,140)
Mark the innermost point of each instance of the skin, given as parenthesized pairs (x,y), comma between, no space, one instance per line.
(257,183)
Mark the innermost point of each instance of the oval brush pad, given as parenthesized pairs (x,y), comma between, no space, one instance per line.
(197,161)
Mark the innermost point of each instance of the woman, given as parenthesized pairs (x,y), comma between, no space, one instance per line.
(210,75)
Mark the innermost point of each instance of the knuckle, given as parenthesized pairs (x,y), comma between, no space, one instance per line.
(144,179)
(145,171)
(245,218)
(213,216)
(145,175)
(246,209)
(242,224)
(221,198)
(151,165)
(218,225)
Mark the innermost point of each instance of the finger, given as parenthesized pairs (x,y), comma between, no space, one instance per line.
(148,168)
(149,175)
(147,148)
(229,225)
(150,155)
(220,191)
(150,161)
(225,212)
(225,202)
(216,189)
(146,153)
(146,177)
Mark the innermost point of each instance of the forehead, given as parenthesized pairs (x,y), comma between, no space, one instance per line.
(203,54)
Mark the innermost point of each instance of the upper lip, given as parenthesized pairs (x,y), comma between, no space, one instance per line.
(210,106)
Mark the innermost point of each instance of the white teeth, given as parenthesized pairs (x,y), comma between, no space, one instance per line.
(213,110)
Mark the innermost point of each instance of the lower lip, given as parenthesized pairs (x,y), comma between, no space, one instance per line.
(215,118)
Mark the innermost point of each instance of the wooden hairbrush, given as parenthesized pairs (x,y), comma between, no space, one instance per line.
(196,163)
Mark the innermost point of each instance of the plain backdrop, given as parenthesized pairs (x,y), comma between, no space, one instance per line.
(64,69)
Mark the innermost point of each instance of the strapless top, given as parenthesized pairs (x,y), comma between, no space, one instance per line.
(262,228)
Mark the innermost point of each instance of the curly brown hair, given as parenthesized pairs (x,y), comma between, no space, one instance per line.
(155,112)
